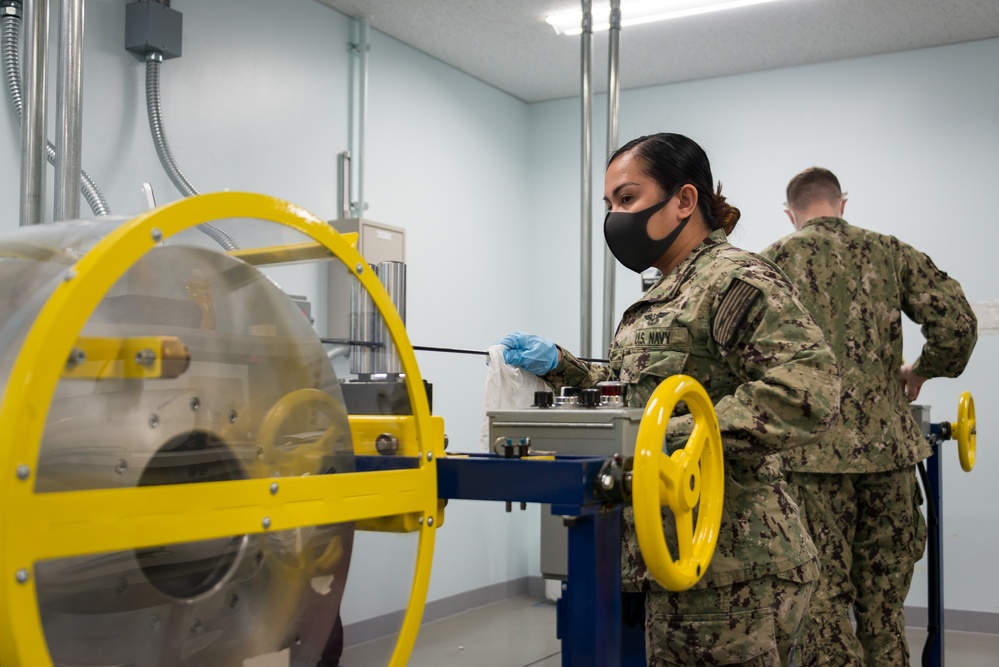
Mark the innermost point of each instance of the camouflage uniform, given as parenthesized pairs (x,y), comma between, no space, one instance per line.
(728,318)
(857,486)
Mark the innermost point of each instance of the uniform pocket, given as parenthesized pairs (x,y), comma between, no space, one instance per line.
(737,638)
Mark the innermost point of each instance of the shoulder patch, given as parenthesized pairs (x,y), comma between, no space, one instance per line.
(738,299)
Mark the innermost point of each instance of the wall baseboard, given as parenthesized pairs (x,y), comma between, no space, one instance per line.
(388,624)
(958,620)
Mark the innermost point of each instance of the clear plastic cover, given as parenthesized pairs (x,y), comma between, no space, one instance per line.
(258,397)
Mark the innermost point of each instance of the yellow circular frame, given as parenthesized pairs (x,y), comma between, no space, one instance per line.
(689,478)
(35,527)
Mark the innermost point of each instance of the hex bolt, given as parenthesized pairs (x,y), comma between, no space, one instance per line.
(76,357)
(121,466)
(22,576)
(157,234)
(420,521)
(195,404)
(359,268)
(266,522)
(430,521)
(154,421)
(23,472)
(274,488)
(145,358)
(607,482)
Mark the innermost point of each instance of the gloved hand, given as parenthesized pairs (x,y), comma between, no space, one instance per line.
(531,352)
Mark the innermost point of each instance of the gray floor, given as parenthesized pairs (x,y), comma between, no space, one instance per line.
(520,632)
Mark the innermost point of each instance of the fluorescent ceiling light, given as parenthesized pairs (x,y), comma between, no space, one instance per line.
(636,13)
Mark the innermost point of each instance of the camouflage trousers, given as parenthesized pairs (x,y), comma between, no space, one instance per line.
(870,531)
(751,623)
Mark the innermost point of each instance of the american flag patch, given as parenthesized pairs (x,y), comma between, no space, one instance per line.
(737,301)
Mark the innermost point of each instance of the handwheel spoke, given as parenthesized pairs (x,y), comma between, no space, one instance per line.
(685,534)
(695,444)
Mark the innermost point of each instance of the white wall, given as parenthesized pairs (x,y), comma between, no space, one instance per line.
(913,138)
(258,102)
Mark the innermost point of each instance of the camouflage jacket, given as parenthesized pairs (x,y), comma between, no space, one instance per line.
(729,319)
(857,284)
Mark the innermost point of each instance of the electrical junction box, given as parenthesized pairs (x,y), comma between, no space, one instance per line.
(377,242)
(599,431)
(152,26)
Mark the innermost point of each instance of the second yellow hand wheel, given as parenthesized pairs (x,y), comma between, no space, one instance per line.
(689,479)
(966,431)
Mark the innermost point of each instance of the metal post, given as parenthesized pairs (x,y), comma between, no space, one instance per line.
(932,475)
(69,111)
(613,96)
(362,111)
(586,204)
(33,142)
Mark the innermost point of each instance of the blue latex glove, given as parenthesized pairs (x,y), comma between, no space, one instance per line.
(531,352)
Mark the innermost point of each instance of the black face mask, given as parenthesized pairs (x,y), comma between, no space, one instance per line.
(628,237)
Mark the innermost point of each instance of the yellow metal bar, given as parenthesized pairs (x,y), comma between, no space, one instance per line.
(282,254)
(87,522)
(144,357)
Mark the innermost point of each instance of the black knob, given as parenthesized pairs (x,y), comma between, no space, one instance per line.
(589,398)
(543,399)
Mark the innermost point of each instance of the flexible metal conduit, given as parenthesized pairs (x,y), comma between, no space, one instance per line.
(153,60)
(586,240)
(9,34)
(613,96)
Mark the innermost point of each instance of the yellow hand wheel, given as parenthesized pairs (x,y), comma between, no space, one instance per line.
(295,413)
(690,481)
(965,430)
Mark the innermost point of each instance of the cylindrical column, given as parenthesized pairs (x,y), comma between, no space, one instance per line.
(586,203)
(33,140)
(393,277)
(613,96)
(69,111)
(362,329)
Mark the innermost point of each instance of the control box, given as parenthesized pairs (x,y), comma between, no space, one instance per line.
(605,429)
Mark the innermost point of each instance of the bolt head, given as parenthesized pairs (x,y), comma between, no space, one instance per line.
(22,576)
(359,268)
(23,472)
(430,521)
(195,403)
(274,488)
(157,234)
(266,522)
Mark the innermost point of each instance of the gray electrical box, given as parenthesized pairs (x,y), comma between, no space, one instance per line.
(377,243)
(600,431)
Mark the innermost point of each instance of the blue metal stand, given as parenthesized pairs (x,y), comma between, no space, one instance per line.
(589,611)
(932,477)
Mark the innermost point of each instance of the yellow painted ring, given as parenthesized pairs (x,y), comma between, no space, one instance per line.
(966,431)
(689,478)
(35,527)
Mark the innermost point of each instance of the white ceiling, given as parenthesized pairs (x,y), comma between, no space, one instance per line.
(507,44)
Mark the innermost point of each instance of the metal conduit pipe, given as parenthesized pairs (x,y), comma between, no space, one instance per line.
(69,111)
(153,60)
(613,97)
(586,240)
(33,124)
(362,110)
(10,28)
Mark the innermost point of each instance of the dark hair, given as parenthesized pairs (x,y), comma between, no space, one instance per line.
(672,160)
(812,185)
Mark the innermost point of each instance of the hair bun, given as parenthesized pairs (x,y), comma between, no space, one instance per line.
(724,214)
